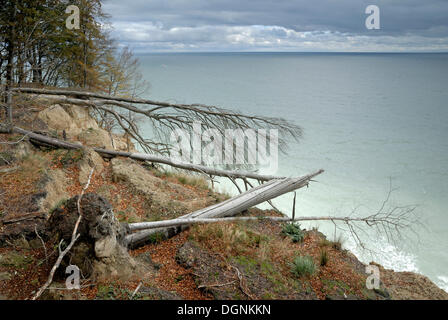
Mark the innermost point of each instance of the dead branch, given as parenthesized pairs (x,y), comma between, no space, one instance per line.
(75,236)
(14,142)
(216,285)
(136,290)
(48,141)
(24,218)
(43,244)
(243,286)
(166,117)
(8,170)
(369,221)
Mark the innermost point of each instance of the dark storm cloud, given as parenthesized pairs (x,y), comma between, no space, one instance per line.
(278,24)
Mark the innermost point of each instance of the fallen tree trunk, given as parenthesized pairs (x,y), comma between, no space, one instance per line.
(190,221)
(48,141)
(188,166)
(41,139)
(230,207)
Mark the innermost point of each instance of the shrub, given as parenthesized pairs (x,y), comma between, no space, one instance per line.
(303,266)
(293,231)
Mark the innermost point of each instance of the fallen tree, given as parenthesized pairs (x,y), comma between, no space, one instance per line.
(230,207)
(166,117)
(53,142)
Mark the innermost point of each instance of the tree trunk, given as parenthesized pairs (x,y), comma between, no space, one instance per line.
(47,141)
(228,208)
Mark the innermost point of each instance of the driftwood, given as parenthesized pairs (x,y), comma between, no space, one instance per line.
(48,141)
(228,208)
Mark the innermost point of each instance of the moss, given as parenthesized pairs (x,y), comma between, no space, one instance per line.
(15,259)
(248,263)
(331,285)
(267,268)
(268,296)
(67,157)
(106,292)
(6,158)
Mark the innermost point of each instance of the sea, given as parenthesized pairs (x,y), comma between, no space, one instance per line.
(375,122)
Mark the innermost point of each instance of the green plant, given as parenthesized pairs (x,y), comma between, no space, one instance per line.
(179,278)
(303,266)
(293,231)
(323,257)
(156,237)
(249,264)
(106,293)
(67,157)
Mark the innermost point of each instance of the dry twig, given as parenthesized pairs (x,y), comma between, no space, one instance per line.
(62,253)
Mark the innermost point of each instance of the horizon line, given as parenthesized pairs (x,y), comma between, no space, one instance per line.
(302,52)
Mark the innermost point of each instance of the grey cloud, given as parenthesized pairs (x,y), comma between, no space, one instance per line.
(278,24)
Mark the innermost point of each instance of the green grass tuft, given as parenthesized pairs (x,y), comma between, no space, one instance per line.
(323,257)
(303,266)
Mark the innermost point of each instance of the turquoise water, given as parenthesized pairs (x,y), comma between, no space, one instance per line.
(367,118)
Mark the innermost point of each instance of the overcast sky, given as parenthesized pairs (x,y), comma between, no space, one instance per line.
(278,25)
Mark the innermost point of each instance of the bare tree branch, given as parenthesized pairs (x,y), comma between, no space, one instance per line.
(166,117)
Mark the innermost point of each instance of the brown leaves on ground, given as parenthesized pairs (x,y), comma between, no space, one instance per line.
(171,276)
(261,244)
(260,241)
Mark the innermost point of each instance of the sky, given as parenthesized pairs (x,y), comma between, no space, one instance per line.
(278,25)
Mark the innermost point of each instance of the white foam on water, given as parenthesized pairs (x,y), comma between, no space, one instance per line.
(386,254)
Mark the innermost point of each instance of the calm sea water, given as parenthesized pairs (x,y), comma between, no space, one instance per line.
(367,118)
